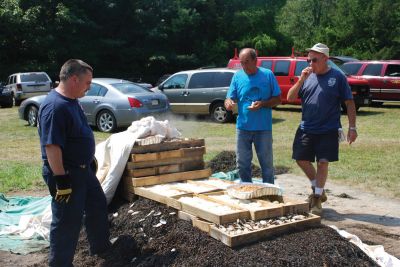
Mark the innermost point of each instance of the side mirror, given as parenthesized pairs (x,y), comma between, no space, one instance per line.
(161,87)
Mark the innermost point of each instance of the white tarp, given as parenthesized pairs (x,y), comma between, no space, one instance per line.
(113,153)
(377,253)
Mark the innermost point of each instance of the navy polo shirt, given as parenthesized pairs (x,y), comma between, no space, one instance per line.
(62,122)
(321,96)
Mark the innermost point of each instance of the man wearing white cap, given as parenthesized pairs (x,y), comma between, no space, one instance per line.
(321,89)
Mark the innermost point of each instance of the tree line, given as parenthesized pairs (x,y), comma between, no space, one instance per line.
(144,39)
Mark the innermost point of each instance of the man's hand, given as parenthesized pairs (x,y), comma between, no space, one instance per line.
(255,105)
(351,136)
(64,190)
(305,73)
(229,103)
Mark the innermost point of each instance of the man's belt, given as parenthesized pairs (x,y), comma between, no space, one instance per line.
(82,166)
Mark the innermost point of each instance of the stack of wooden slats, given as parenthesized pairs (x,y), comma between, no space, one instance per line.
(166,162)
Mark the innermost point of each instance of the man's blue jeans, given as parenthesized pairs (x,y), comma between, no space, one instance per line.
(263,144)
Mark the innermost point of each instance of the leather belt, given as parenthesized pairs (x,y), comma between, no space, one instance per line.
(82,166)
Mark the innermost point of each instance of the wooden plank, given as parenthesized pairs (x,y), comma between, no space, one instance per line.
(201,224)
(250,237)
(153,170)
(156,155)
(185,216)
(126,183)
(183,152)
(169,145)
(192,165)
(173,201)
(267,210)
(126,192)
(215,218)
(162,162)
(171,177)
(194,188)
(142,191)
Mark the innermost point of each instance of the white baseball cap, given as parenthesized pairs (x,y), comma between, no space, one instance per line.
(320,48)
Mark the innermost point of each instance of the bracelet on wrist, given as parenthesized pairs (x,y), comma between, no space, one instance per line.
(353,129)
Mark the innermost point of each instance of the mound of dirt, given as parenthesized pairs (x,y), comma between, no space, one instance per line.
(225,161)
(177,243)
(147,233)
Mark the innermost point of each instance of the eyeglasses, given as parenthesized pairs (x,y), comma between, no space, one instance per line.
(313,60)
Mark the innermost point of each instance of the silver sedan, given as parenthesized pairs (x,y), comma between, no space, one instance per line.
(108,104)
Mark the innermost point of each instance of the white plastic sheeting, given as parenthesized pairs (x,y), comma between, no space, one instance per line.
(377,253)
(113,153)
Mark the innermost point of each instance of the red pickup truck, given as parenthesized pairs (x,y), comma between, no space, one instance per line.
(383,77)
(287,71)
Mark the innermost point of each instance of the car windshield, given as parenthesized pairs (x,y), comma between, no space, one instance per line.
(34,77)
(129,88)
(333,65)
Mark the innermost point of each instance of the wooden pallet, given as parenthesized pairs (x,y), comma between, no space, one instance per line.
(145,192)
(170,177)
(182,167)
(163,162)
(204,213)
(266,210)
(178,153)
(250,237)
(196,222)
(168,145)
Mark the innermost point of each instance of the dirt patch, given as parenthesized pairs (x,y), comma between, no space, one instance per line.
(139,243)
(344,195)
(225,161)
(177,243)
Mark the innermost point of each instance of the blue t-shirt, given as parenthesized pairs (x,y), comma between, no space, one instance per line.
(245,89)
(321,96)
(62,122)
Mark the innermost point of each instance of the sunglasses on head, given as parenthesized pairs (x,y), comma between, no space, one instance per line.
(313,60)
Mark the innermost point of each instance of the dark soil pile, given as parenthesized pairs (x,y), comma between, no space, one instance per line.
(177,243)
(225,161)
(142,240)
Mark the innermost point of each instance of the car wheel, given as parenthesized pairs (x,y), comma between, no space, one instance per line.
(8,104)
(32,115)
(106,121)
(220,114)
(17,102)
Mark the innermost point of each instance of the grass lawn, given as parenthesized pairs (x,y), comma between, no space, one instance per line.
(372,162)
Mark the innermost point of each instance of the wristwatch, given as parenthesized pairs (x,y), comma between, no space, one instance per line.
(353,129)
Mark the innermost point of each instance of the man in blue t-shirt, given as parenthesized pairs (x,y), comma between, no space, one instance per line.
(321,89)
(68,146)
(255,91)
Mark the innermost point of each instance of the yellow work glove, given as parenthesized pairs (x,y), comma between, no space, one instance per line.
(63,186)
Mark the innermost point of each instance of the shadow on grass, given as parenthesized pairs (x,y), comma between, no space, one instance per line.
(333,215)
(362,113)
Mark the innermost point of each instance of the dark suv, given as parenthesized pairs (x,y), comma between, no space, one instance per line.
(201,91)
(6,100)
(383,77)
(287,71)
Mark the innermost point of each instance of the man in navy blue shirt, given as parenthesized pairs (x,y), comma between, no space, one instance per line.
(255,91)
(68,146)
(321,89)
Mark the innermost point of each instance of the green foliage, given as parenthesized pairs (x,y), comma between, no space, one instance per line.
(363,29)
(145,39)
